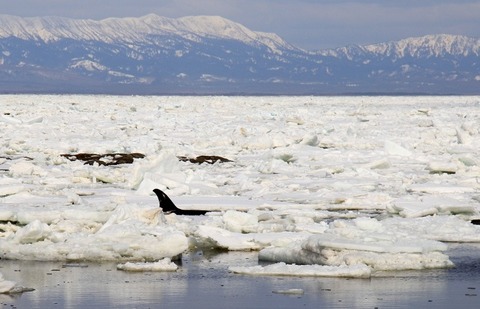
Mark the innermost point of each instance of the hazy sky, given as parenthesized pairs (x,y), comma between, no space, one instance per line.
(309,24)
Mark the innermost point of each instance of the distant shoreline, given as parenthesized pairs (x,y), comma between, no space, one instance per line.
(245,94)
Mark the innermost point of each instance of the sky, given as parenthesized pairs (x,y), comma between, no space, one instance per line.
(308,24)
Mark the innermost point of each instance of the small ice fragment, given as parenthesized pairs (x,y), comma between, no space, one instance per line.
(10,190)
(282,269)
(163,265)
(290,291)
(9,287)
(6,286)
(74,265)
(442,167)
(396,150)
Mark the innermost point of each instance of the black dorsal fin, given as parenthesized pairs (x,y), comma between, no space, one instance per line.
(168,206)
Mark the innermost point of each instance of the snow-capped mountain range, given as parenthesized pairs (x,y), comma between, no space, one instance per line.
(423,47)
(210,54)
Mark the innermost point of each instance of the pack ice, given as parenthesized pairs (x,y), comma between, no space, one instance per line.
(320,186)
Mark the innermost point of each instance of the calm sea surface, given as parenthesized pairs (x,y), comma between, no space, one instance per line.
(203,281)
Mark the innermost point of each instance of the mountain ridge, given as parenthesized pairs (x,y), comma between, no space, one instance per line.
(430,45)
(130,29)
(211,54)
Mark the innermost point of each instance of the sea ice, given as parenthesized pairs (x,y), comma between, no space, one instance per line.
(6,286)
(163,265)
(282,269)
(381,182)
(378,244)
(290,292)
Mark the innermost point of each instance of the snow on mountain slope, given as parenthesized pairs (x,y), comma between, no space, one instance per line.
(418,47)
(211,54)
(430,45)
(216,26)
(194,28)
(134,30)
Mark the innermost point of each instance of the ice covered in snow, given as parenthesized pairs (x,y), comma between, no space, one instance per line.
(130,233)
(6,286)
(382,245)
(290,292)
(331,186)
(279,269)
(11,287)
(163,265)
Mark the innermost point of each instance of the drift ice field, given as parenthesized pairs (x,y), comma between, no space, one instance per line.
(320,186)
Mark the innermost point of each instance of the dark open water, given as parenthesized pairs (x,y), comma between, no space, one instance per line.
(203,281)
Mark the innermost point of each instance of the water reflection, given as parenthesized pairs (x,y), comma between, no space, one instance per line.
(203,281)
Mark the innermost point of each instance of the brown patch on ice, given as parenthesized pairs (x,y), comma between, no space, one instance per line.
(204,159)
(104,159)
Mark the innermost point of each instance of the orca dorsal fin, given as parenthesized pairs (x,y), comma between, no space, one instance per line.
(169,207)
(165,203)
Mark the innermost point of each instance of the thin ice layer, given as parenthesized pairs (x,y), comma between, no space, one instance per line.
(282,269)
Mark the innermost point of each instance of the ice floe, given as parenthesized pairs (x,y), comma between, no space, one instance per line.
(282,269)
(163,265)
(11,287)
(6,286)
